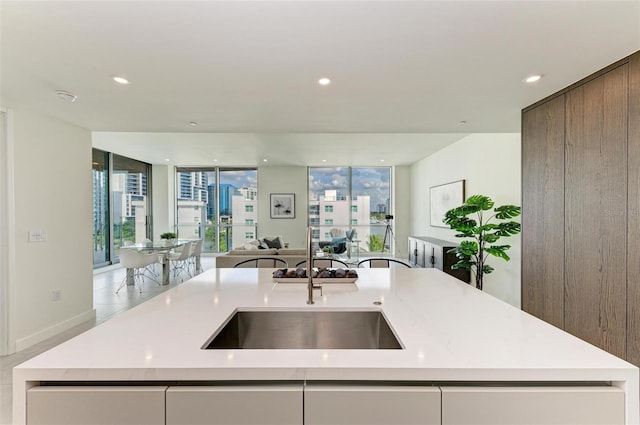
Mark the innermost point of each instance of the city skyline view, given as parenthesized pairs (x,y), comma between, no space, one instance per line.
(371,181)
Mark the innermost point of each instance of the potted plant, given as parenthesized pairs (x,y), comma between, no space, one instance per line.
(169,236)
(484,230)
(328,251)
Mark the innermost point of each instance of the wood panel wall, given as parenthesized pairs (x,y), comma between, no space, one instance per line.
(597,123)
(633,214)
(596,211)
(543,211)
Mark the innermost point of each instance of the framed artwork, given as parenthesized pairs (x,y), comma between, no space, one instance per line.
(444,197)
(283,205)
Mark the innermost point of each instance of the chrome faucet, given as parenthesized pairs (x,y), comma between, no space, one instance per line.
(310,286)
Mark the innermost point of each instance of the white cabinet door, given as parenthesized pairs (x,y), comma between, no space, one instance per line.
(532,406)
(412,251)
(371,405)
(82,405)
(235,405)
(421,255)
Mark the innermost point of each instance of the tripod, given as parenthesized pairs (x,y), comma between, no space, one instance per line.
(388,231)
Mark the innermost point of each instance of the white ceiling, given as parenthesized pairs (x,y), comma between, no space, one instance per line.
(405,74)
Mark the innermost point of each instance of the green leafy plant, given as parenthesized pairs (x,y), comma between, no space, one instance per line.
(168,235)
(483,231)
(375,243)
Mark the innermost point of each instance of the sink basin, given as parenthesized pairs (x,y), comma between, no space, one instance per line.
(315,329)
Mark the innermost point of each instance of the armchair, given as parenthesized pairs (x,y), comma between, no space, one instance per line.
(338,242)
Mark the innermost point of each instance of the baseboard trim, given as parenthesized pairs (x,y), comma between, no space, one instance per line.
(33,339)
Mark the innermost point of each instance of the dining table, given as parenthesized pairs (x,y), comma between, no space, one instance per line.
(164,247)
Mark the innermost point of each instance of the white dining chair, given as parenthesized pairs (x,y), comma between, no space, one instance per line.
(180,260)
(194,258)
(138,262)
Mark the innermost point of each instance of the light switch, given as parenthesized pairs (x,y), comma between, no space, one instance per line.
(37,235)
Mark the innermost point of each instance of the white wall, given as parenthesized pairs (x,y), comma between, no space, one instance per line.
(52,175)
(500,180)
(163,199)
(283,180)
(401,224)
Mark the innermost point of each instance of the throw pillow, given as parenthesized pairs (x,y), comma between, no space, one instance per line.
(274,242)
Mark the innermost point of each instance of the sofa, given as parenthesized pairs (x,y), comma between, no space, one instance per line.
(268,247)
(291,255)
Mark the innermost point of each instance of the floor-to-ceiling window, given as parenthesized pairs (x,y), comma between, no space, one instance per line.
(121,204)
(101,234)
(352,198)
(217,204)
(129,201)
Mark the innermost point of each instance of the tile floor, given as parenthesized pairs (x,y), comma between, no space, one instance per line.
(107,304)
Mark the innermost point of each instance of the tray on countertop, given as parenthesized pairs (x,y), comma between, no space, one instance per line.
(317,279)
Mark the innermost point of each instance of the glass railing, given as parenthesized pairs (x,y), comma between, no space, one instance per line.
(218,237)
(374,237)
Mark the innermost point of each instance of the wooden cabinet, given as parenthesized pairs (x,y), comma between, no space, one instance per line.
(428,252)
(580,209)
(633,214)
(96,405)
(532,406)
(596,211)
(239,405)
(371,405)
(543,211)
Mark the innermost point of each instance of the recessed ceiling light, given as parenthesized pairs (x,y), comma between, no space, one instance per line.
(121,80)
(167,159)
(382,160)
(66,96)
(193,123)
(324,160)
(264,160)
(532,78)
(324,81)
(215,160)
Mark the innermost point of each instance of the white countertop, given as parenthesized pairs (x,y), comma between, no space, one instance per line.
(450,332)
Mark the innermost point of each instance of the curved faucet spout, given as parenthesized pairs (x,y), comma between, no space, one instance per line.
(309,266)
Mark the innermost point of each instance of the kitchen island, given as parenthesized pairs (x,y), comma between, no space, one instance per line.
(462,349)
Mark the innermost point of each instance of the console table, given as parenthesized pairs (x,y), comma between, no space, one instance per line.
(428,252)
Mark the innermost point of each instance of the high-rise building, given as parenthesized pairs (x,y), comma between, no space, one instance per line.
(245,217)
(226,198)
(192,186)
(330,211)
(192,203)
(249,193)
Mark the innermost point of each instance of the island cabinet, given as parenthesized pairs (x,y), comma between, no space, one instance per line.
(371,405)
(316,403)
(428,252)
(532,405)
(108,405)
(239,405)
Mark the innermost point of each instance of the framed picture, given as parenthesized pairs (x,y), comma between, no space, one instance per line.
(444,197)
(283,205)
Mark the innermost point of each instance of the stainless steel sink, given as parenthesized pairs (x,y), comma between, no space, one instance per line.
(316,329)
